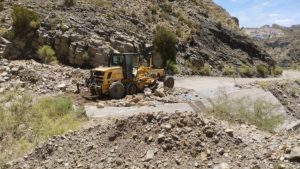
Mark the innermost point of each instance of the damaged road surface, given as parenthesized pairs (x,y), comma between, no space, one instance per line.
(200,95)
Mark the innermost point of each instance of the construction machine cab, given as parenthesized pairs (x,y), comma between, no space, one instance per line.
(127,61)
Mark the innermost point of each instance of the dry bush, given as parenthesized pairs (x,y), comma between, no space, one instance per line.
(258,112)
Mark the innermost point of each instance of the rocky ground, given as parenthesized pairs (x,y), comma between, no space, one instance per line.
(288,93)
(180,140)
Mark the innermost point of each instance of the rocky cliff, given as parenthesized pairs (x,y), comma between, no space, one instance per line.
(83,35)
(282,43)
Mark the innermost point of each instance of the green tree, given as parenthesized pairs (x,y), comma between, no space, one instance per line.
(24,20)
(164,43)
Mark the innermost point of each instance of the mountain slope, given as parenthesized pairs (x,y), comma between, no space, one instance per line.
(83,34)
(282,43)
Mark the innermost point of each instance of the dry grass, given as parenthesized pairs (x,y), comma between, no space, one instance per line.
(26,122)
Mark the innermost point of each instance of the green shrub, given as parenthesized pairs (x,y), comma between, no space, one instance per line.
(26,122)
(246,71)
(69,3)
(228,70)
(262,70)
(277,71)
(24,21)
(258,112)
(47,54)
(164,43)
(172,66)
(205,70)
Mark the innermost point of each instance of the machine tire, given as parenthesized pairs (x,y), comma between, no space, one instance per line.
(116,90)
(169,82)
(131,89)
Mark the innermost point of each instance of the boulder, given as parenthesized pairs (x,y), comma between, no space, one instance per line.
(222,166)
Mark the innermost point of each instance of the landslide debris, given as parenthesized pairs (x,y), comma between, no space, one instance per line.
(39,78)
(180,140)
(42,79)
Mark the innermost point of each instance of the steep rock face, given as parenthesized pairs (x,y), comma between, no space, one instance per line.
(282,43)
(83,35)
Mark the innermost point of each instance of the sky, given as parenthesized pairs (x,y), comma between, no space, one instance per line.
(256,13)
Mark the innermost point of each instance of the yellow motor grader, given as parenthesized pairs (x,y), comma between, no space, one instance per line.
(126,74)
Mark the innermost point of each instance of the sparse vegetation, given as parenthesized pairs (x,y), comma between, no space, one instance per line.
(277,71)
(100,3)
(164,43)
(69,3)
(228,70)
(3,31)
(264,85)
(262,70)
(246,71)
(47,54)
(258,112)
(1,6)
(295,66)
(83,57)
(24,21)
(205,70)
(26,122)
(166,7)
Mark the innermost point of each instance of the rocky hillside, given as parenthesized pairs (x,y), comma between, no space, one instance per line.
(83,34)
(282,43)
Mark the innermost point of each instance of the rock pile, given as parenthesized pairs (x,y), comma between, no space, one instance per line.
(180,140)
(39,78)
(149,98)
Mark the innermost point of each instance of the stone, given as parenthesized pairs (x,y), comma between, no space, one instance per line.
(196,164)
(222,166)
(295,154)
(167,126)
(160,138)
(149,155)
(100,105)
(159,92)
(229,132)
(147,92)
(62,86)
(209,133)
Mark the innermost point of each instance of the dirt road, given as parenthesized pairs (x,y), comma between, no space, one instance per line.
(207,86)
